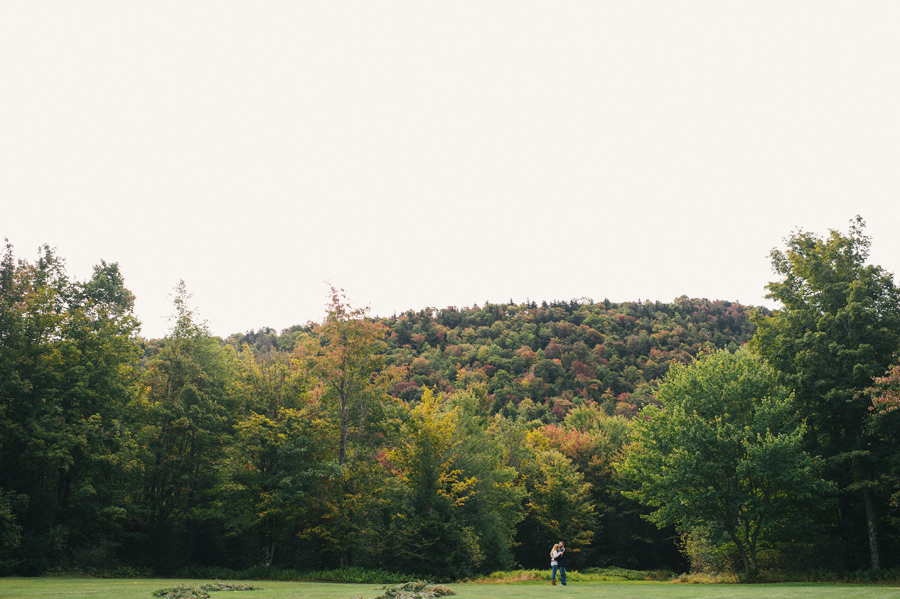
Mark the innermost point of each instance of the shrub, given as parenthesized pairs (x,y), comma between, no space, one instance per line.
(200,592)
(706,578)
(419,589)
(355,575)
(588,575)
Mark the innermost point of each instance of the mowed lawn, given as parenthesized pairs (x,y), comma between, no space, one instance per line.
(92,588)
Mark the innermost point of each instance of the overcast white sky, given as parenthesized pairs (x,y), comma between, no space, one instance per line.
(424,154)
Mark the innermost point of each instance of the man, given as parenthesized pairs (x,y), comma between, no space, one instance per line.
(561,563)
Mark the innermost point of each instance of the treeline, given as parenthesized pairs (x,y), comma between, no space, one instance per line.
(450,442)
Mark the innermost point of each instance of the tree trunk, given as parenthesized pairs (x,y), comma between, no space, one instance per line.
(873,529)
(751,542)
(741,550)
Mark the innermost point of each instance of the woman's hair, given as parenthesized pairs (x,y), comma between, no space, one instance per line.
(555,547)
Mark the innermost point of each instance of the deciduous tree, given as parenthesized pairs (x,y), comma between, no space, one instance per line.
(837,328)
(343,360)
(66,352)
(722,451)
(182,420)
(884,425)
(558,507)
(275,461)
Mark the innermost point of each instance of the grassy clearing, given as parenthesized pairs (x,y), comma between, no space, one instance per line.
(659,590)
(117,588)
(93,588)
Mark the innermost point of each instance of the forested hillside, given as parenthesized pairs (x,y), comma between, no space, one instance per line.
(555,355)
(456,441)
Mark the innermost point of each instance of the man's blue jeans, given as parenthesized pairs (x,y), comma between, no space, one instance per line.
(562,574)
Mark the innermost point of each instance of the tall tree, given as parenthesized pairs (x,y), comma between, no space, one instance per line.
(66,349)
(344,358)
(275,461)
(432,536)
(838,327)
(722,452)
(454,502)
(344,362)
(482,454)
(884,425)
(183,419)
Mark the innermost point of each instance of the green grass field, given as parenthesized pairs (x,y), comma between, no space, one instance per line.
(94,588)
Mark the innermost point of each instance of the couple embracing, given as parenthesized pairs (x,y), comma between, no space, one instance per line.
(558,560)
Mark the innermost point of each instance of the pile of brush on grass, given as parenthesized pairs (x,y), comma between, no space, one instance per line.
(200,592)
(419,589)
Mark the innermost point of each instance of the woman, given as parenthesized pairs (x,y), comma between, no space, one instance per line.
(561,557)
(554,553)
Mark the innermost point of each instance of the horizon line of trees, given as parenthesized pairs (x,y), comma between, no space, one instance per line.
(457,441)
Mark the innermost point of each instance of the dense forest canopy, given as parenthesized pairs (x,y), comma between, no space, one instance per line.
(455,441)
(556,354)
